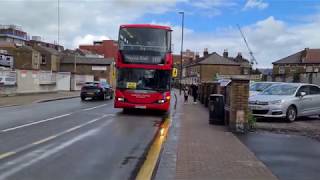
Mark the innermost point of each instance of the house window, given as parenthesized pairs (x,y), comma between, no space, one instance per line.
(43,59)
(281,70)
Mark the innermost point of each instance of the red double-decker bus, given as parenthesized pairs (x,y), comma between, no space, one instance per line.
(144,67)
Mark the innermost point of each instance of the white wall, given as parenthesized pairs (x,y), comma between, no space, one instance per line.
(78,80)
(63,81)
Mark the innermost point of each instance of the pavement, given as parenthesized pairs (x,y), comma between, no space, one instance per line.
(71,139)
(196,150)
(7,101)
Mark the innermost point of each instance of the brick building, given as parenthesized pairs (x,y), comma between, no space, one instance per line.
(100,68)
(187,57)
(107,48)
(208,67)
(305,61)
(25,57)
(49,58)
(244,63)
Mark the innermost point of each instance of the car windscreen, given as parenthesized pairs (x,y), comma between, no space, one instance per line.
(260,86)
(281,89)
(143,79)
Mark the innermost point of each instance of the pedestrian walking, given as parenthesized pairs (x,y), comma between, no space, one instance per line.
(185,93)
(194,89)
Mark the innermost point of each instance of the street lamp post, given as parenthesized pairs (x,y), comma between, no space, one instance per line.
(182,19)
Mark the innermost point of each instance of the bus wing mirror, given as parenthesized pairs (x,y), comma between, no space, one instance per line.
(174,72)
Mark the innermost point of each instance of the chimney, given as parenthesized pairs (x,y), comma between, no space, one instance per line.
(197,56)
(225,53)
(205,52)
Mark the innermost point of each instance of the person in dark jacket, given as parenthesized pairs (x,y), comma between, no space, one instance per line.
(194,89)
(185,93)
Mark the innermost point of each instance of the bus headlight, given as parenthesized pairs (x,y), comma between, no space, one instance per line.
(120,99)
(161,101)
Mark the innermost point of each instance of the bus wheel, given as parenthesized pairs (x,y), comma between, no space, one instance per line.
(125,110)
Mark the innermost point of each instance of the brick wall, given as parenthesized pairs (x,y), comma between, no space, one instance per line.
(108,48)
(238,94)
(22,58)
(208,72)
(291,69)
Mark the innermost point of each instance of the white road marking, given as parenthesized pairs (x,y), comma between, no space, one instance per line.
(28,146)
(88,109)
(37,122)
(21,166)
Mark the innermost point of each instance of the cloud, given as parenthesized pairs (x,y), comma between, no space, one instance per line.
(252,4)
(88,39)
(79,19)
(211,8)
(208,4)
(270,39)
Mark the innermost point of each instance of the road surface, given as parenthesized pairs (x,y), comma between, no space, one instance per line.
(289,157)
(70,139)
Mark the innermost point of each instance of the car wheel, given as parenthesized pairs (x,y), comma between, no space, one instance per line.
(104,97)
(83,98)
(291,114)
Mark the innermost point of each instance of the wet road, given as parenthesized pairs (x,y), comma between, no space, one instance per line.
(289,157)
(70,139)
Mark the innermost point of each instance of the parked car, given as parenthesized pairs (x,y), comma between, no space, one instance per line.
(7,81)
(258,87)
(287,100)
(96,90)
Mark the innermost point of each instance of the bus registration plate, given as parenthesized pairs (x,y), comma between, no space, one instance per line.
(140,107)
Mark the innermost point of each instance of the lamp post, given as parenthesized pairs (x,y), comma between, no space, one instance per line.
(182,23)
(75,63)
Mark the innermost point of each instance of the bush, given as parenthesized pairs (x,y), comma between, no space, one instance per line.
(251,121)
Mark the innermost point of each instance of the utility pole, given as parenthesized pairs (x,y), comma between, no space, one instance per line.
(182,13)
(75,63)
(58,22)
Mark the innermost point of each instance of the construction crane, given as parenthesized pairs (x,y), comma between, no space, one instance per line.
(253,59)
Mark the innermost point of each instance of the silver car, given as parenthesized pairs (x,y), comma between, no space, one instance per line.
(287,100)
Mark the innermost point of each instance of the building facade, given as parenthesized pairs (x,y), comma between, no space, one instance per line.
(290,68)
(107,48)
(13,34)
(208,67)
(49,58)
(24,57)
(100,68)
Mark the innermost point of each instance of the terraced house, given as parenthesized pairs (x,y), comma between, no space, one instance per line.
(302,66)
(207,67)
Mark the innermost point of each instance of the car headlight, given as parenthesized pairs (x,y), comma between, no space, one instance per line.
(275,102)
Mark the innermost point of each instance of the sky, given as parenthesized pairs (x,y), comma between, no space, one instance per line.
(274,28)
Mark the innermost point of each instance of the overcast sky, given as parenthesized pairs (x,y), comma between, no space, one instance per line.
(274,28)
